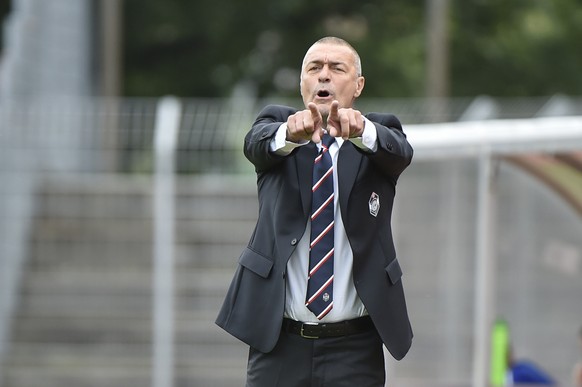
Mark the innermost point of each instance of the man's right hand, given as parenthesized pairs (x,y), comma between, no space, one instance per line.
(305,125)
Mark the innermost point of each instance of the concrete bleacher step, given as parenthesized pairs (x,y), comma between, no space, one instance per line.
(91,279)
(84,316)
(123,375)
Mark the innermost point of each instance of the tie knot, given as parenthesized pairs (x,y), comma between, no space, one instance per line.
(327,140)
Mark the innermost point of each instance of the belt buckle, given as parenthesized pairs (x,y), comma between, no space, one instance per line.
(303,328)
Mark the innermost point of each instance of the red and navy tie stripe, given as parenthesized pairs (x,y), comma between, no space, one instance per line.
(319,297)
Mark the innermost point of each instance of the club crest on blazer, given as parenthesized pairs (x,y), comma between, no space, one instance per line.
(374,204)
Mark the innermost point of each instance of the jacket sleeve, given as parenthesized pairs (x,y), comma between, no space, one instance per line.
(258,139)
(394,152)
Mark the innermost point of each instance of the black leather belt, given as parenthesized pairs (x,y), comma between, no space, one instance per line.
(336,329)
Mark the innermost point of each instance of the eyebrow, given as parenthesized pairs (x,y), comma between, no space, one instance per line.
(330,63)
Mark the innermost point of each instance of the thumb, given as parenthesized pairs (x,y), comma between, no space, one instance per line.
(316,136)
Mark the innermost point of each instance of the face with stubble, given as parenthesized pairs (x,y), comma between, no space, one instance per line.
(329,73)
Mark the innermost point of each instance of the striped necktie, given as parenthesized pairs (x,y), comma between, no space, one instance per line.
(319,298)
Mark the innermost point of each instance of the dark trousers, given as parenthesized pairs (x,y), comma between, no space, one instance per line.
(347,361)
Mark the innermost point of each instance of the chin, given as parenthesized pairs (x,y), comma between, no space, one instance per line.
(323,109)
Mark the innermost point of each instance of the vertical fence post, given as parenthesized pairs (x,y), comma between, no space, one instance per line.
(484,269)
(166,132)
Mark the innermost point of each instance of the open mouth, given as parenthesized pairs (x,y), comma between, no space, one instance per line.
(323,93)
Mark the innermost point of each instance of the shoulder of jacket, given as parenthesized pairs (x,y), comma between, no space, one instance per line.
(278,110)
(385,119)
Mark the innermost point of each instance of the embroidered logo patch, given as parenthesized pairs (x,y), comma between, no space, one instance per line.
(374,204)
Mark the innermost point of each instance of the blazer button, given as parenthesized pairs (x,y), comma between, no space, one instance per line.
(294,242)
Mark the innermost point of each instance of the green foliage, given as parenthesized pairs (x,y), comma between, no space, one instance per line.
(516,48)
(5,8)
(212,48)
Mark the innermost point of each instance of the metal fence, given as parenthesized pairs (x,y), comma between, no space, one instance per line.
(86,260)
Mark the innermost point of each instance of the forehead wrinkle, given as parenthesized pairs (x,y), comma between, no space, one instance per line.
(325,60)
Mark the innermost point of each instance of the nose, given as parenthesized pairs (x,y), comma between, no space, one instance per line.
(324,74)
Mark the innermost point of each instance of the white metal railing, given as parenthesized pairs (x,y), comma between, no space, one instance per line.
(17,182)
(166,133)
(471,139)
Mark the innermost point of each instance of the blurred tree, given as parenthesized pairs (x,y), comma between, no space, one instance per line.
(255,47)
(210,48)
(5,8)
(517,48)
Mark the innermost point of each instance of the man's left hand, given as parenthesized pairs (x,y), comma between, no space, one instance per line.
(344,122)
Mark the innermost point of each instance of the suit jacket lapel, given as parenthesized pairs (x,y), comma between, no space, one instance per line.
(305,175)
(348,164)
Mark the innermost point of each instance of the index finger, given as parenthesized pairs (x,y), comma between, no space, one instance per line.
(317,122)
(333,112)
(315,114)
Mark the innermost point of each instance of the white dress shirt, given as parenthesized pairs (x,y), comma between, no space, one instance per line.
(346,302)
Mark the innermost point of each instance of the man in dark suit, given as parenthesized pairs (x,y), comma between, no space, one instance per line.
(321,321)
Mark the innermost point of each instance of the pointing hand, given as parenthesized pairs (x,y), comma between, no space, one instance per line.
(344,122)
(305,125)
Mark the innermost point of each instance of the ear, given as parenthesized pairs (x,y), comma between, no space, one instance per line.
(359,86)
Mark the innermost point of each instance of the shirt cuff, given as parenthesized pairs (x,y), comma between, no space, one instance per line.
(369,136)
(280,145)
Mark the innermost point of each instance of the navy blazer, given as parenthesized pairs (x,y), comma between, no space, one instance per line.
(253,308)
